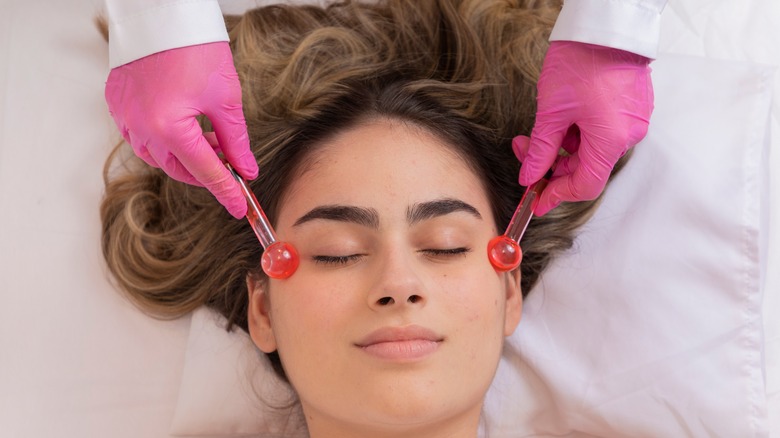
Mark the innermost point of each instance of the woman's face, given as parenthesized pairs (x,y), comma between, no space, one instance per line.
(394,319)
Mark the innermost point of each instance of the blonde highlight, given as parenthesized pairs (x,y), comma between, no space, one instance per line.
(463,69)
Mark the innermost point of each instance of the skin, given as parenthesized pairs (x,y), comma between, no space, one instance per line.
(355,278)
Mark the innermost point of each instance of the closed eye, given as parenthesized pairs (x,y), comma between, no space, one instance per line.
(447,252)
(336,260)
(431,252)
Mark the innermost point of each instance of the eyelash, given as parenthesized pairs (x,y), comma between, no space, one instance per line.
(343,260)
(447,252)
(336,260)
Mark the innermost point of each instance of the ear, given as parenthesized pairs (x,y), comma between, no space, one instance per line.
(514,302)
(259,315)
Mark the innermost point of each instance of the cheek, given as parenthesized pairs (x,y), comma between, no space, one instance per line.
(477,298)
(306,316)
(475,304)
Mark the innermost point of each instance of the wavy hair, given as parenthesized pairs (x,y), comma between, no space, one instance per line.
(465,70)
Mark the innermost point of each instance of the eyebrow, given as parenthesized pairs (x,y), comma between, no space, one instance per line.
(440,207)
(368,217)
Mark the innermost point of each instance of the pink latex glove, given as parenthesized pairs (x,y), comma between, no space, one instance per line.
(154,101)
(595,102)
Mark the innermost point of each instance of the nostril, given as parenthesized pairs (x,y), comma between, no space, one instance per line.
(414,298)
(385,301)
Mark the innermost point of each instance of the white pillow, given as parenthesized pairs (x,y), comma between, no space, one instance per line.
(649,326)
(228,388)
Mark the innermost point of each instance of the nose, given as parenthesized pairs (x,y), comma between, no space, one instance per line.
(398,283)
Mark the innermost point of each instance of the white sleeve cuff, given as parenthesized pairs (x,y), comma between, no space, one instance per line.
(163,27)
(631,25)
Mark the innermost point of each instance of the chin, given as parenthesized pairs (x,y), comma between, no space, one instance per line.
(418,403)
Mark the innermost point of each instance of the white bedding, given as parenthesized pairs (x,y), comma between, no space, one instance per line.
(636,331)
(77,360)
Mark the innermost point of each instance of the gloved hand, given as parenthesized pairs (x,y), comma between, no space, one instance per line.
(154,101)
(595,102)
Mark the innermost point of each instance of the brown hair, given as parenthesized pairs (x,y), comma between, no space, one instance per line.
(464,70)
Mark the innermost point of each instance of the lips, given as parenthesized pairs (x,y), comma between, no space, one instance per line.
(401,343)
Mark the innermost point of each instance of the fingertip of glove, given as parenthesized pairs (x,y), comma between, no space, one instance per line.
(247,167)
(237,209)
(520,146)
(545,205)
(522,179)
(636,133)
(527,174)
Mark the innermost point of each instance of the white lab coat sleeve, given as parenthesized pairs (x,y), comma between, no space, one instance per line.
(631,25)
(139,28)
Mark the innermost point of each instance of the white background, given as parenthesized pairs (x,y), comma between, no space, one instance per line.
(58,311)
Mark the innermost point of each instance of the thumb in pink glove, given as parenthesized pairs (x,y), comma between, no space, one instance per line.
(594,102)
(154,102)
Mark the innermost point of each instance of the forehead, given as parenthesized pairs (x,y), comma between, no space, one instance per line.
(383,161)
